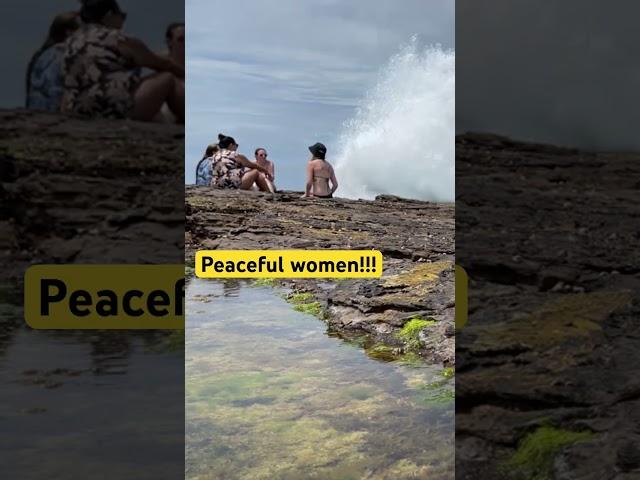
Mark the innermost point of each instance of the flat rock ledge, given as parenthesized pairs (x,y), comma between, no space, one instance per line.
(416,239)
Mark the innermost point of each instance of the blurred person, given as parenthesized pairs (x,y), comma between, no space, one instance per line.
(44,79)
(319,174)
(102,70)
(174,38)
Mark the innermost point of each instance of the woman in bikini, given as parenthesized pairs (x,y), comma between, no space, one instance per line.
(261,159)
(319,173)
(233,170)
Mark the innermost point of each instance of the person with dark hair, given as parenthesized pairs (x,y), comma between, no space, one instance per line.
(204,170)
(174,36)
(261,159)
(44,79)
(233,170)
(102,70)
(319,173)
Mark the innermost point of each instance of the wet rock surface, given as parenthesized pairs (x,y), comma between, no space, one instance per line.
(416,239)
(547,237)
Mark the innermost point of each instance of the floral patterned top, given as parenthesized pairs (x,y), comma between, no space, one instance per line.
(45,80)
(227,172)
(98,79)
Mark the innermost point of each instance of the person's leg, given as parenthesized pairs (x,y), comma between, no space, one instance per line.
(262,182)
(248,179)
(176,101)
(153,92)
(270,185)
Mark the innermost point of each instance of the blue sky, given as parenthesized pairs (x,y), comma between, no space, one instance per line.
(285,74)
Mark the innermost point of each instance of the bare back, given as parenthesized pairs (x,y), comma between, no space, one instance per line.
(322,173)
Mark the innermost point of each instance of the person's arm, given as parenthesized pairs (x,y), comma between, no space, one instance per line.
(272,171)
(245,162)
(334,181)
(144,57)
(309,185)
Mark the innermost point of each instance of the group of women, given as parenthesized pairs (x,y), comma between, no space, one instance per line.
(222,166)
(88,66)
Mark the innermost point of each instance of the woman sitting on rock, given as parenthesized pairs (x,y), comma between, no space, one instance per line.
(319,173)
(204,168)
(261,159)
(233,170)
(45,71)
(102,70)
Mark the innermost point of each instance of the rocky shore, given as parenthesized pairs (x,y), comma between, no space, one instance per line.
(80,191)
(546,382)
(409,311)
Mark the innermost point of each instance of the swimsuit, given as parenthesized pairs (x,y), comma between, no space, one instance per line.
(227,172)
(326,179)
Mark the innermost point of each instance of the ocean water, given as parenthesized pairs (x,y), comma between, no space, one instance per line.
(401,140)
(269,395)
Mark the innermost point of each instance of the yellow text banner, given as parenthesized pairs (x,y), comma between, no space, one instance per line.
(288,264)
(104,297)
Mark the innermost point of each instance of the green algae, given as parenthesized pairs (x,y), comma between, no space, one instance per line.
(386,353)
(313,308)
(448,372)
(265,282)
(268,395)
(437,392)
(382,352)
(443,396)
(359,391)
(411,329)
(305,302)
(535,454)
(411,359)
(299,297)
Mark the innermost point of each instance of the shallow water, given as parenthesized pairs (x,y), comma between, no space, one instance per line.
(79,405)
(269,395)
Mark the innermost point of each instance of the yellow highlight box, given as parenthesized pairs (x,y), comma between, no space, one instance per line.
(110,297)
(288,264)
